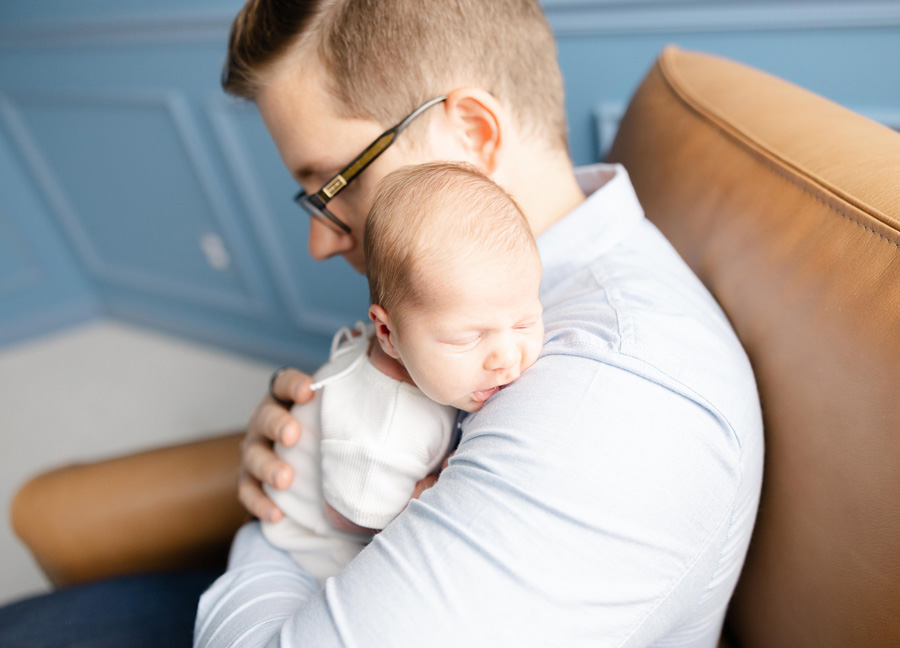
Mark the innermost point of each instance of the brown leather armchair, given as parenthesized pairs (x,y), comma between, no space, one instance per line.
(788,208)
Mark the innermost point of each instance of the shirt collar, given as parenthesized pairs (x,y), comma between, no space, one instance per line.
(610,210)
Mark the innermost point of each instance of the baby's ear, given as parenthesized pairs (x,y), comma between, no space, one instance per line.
(384,330)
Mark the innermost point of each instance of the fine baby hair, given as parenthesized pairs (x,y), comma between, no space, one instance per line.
(439,213)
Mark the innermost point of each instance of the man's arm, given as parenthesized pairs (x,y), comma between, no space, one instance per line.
(568,516)
(262,589)
(252,601)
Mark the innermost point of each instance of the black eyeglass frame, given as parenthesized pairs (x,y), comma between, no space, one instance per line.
(315,204)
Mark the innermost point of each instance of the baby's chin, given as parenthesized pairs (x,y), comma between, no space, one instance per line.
(470,406)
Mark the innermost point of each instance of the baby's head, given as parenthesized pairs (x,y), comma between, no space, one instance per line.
(454,276)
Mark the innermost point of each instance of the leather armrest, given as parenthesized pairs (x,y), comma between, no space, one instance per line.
(169,508)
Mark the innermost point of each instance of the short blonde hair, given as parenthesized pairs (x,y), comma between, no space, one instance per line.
(383,58)
(442,213)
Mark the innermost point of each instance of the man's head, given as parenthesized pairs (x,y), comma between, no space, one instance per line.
(329,76)
(454,275)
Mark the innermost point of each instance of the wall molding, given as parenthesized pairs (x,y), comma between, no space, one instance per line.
(567,17)
(199,26)
(249,303)
(30,274)
(606,124)
(222,112)
(615,17)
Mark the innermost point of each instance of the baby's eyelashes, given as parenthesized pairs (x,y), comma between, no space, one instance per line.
(462,343)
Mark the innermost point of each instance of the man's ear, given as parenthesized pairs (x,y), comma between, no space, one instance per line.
(479,122)
(384,330)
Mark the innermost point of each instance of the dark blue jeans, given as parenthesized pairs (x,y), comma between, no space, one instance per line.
(136,612)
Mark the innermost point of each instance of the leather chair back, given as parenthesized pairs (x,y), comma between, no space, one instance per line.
(787,206)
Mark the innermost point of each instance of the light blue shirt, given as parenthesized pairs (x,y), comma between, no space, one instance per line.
(606,498)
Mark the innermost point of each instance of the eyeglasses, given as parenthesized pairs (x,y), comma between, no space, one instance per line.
(315,204)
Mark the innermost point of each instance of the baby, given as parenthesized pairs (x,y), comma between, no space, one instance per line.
(454,276)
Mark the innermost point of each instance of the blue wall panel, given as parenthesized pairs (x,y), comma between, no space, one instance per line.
(266,191)
(858,68)
(42,287)
(125,172)
(171,194)
(19,269)
(147,234)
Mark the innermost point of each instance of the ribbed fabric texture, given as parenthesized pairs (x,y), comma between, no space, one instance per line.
(379,437)
(367,439)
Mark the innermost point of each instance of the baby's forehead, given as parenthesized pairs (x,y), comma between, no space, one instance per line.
(456,261)
(443,281)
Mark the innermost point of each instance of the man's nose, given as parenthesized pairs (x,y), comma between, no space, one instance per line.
(325,243)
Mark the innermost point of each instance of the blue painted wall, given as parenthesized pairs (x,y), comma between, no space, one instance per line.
(42,285)
(130,185)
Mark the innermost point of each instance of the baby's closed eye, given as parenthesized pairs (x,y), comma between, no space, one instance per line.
(462,343)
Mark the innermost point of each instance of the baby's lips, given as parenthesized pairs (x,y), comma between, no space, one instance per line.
(483,394)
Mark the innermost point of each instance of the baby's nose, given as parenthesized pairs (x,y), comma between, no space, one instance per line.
(504,357)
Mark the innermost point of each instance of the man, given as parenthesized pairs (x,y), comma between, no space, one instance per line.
(607,497)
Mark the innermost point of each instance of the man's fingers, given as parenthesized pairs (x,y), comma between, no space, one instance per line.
(447,460)
(424,485)
(270,422)
(292,385)
(429,481)
(256,501)
(273,422)
(265,466)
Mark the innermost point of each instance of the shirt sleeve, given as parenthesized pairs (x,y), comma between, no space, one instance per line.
(579,512)
(250,604)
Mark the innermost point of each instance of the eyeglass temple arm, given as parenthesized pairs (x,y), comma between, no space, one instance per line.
(356,167)
(365,158)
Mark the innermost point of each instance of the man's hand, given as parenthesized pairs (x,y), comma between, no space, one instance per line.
(430,480)
(271,422)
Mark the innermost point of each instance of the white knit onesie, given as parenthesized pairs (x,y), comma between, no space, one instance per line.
(366,440)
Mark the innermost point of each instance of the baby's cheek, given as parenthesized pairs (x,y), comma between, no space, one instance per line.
(434,391)
(533,353)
